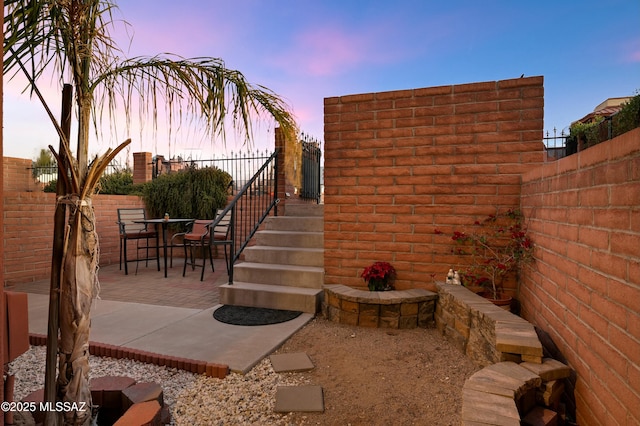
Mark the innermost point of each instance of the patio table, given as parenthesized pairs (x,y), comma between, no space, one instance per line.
(165,224)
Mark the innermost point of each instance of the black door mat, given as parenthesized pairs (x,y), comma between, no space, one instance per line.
(244,315)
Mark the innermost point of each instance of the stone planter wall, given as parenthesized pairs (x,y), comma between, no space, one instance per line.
(384,309)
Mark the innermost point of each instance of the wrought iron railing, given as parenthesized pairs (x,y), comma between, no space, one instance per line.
(241,166)
(311,171)
(251,204)
(48,174)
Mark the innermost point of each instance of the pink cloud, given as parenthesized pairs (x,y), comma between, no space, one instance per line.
(330,50)
(630,51)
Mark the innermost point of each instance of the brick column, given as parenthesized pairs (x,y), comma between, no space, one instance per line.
(142,167)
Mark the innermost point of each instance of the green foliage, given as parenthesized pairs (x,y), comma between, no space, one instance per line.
(118,183)
(628,118)
(588,133)
(600,130)
(43,164)
(51,186)
(190,193)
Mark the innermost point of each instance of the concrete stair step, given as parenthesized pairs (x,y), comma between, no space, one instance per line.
(304,210)
(282,275)
(285,255)
(271,296)
(295,223)
(290,239)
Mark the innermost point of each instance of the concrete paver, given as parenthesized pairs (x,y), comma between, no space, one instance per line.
(289,363)
(299,398)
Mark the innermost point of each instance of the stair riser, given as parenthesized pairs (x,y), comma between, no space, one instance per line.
(272,300)
(277,256)
(304,210)
(292,223)
(306,240)
(284,277)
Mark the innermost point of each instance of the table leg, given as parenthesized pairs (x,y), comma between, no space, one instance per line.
(164,244)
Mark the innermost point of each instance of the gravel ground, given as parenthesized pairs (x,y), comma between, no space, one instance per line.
(369,377)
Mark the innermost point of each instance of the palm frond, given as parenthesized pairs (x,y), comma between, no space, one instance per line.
(197,87)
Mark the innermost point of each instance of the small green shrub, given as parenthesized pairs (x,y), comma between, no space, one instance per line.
(51,186)
(190,193)
(628,118)
(118,183)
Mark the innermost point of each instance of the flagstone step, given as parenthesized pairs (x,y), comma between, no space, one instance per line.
(300,239)
(300,256)
(278,274)
(294,223)
(239,293)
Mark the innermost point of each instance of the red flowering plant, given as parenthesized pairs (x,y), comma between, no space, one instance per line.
(379,276)
(497,246)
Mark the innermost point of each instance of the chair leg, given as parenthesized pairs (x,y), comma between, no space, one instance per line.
(126,259)
(226,258)
(186,259)
(121,254)
(204,261)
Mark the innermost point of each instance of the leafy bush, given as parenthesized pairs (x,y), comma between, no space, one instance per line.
(51,186)
(118,183)
(584,135)
(628,118)
(190,193)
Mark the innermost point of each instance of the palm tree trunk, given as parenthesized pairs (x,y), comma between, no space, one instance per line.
(56,262)
(77,290)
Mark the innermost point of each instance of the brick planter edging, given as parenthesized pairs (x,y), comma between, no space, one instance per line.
(102,349)
(397,309)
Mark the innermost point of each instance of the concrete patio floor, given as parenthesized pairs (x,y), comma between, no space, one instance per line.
(171,316)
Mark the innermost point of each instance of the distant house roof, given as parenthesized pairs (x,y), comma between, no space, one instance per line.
(605,109)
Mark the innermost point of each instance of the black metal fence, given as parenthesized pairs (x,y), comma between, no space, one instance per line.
(311,171)
(556,145)
(241,166)
(251,204)
(48,174)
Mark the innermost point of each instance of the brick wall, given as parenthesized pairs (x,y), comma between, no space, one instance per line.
(584,288)
(28,232)
(17,175)
(400,164)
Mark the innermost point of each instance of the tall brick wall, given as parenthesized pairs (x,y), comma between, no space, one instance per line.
(28,232)
(17,175)
(400,164)
(584,288)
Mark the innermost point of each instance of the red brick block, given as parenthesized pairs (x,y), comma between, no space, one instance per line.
(106,391)
(540,417)
(37,397)
(142,392)
(142,414)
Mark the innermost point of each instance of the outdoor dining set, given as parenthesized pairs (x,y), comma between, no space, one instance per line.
(199,237)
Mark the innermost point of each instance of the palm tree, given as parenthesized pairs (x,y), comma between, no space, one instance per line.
(72,39)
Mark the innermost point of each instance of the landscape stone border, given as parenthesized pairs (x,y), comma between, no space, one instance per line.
(102,349)
(517,386)
(398,309)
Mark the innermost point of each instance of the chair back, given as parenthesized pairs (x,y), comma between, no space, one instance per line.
(222,229)
(126,218)
(199,229)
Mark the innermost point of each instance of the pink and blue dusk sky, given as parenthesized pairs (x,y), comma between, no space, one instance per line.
(305,51)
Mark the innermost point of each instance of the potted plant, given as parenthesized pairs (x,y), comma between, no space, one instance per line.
(379,276)
(498,246)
